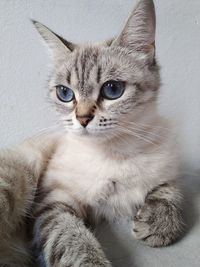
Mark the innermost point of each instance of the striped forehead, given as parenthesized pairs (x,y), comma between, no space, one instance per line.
(86,70)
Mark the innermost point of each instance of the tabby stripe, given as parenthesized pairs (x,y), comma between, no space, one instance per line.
(91,65)
(45,234)
(159,186)
(42,194)
(9,197)
(56,254)
(58,206)
(69,77)
(83,65)
(88,71)
(76,67)
(99,72)
(46,220)
(49,222)
(60,254)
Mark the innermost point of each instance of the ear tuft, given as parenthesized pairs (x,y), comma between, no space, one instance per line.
(139,31)
(58,46)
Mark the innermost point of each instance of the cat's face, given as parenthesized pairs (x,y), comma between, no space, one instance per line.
(100,89)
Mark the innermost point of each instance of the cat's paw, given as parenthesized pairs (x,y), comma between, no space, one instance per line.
(158,223)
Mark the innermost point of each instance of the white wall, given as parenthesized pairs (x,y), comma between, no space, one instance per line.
(23,70)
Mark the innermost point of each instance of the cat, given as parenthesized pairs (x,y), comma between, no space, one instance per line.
(117,158)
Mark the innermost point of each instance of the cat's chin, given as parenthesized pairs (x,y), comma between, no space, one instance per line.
(88,134)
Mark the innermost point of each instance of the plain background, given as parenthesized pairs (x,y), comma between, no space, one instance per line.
(24,110)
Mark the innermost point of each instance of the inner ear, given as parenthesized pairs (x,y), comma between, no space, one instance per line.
(59,47)
(109,42)
(68,44)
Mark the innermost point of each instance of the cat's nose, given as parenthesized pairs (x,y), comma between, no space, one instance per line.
(84,120)
(85,112)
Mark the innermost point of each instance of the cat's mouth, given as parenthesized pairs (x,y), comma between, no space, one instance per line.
(83,132)
(88,132)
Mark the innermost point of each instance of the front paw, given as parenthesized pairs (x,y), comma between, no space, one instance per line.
(158,223)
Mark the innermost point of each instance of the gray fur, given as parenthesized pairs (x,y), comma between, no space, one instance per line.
(72,243)
(159,222)
(19,173)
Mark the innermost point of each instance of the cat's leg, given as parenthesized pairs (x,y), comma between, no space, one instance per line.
(61,236)
(20,169)
(159,221)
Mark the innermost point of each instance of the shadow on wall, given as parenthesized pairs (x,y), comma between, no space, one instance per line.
(190,184)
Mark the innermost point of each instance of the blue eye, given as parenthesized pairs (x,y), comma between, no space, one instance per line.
(64,93)
(113,89)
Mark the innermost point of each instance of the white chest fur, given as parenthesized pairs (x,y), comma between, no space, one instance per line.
(112,186)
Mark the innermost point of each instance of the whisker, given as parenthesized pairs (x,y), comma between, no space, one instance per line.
(147,125)
(127,131)
(144,132)
(47,130)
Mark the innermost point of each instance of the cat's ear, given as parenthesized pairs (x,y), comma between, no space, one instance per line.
(59,48)
(139,31)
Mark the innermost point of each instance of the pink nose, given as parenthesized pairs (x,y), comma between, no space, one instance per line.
(84,120)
